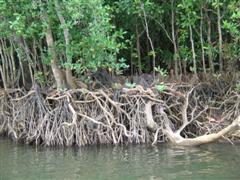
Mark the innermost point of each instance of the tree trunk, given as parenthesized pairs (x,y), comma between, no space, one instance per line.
(193,51)
(3,78)
(219,39)
(2,68)
(138,50)
(14,70)
(202,43)
(26,51)
(5,63)
(174,41)
(57,73)
(67,37)
(210,56)
(150,41)
(21,66)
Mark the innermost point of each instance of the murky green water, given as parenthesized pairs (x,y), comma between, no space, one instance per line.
(216,161)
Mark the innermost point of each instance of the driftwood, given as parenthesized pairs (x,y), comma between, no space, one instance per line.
(182,114)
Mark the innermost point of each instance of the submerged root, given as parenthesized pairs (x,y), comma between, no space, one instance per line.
(182,114)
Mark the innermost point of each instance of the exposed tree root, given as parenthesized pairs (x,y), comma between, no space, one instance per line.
(183,115)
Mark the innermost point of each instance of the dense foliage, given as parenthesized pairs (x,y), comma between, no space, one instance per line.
(55,40)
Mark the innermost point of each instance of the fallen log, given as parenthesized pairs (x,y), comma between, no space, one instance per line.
(176,139)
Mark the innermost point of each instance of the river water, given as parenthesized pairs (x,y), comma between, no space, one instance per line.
(215,161)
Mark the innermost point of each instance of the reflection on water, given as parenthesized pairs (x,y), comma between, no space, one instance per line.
(216,161)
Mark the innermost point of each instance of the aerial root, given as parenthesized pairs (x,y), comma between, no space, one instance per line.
(80,117)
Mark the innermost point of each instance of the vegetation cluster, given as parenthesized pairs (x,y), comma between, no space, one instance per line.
(78,72)
(57,42)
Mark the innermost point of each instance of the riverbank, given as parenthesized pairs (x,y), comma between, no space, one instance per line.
(120,116)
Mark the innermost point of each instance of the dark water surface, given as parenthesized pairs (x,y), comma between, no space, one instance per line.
(215,161)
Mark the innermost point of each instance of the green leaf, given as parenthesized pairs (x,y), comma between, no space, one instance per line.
(130,85)
(160,87)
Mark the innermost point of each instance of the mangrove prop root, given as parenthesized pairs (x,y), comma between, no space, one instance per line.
(182,114)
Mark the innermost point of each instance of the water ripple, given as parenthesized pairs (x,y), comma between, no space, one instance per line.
(121,162)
